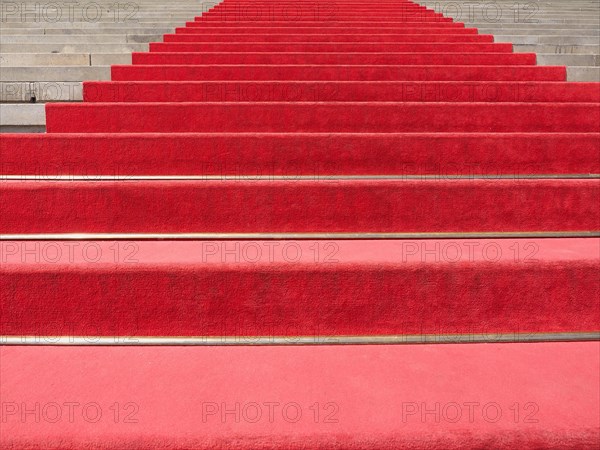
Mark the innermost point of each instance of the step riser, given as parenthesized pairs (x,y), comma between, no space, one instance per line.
(322,12)
(325,15)
(403,296)
(291,9)
(312,19)
(287,7)
(292,155)
(83,39)
(328,38)
(324,30)
(311,206)
(334,73)
(216,25)
(55,73)
(72,48)
(309,117)
(491,59)
(248,91)
(330,47)
(312,7)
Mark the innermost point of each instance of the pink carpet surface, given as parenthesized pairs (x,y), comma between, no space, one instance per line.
(449,396)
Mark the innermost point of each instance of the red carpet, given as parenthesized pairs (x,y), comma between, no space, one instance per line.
(301,288)
(163,210)
(321,29)
(339,91)
(505,396)
(252,155)
(376,47)
(333,72)
(322,117)
(296,206)
(314,23)
(457,59)
(329,38)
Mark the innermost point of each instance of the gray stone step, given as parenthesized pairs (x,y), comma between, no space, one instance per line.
(583,73)
(108,19)
(40,91)
(594,32)
(22,118)
(63,59)
(79,31)
(161,23)
(547,39)
(62,73)
(558,49)
(72,48)
(561,32)
(5,31)
(562,21)
(568,60)
(536,26)
(43,59)
(83,39)
(107,59)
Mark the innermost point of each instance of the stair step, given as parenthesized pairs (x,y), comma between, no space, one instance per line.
(40,91)
(335,23)
(35,74)
(14,116)
(372,397)
(192,288)
(437,47)
(322,117)
(583,74)
(81,39)
(252,155)
(309,18)
(490,59)
(350,37)
(196,28)
(337,91)
(45,47)
(62,59)
(336,72)
(312,205)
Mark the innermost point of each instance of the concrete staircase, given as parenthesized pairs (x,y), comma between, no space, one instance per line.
(48,49)
(560,32)
(46,52)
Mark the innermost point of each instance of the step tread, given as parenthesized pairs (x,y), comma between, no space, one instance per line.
(371,406)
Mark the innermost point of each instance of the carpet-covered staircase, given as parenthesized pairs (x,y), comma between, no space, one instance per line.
(184,253)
